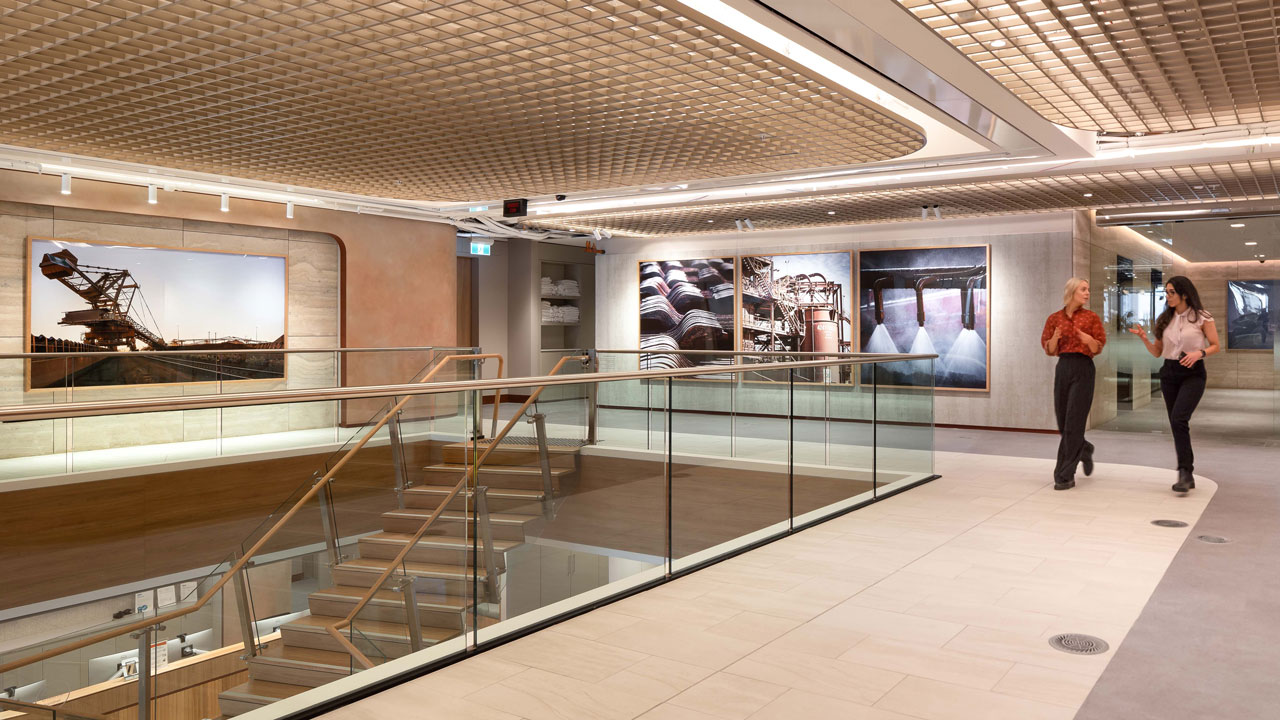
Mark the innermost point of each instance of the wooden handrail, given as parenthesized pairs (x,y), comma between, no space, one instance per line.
(251,552)
(19,706)
(336,628)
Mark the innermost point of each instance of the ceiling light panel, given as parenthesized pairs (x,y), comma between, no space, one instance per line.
(1123,65)
(433,100)
(1172,186)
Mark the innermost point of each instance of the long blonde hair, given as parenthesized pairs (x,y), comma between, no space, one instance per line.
(1072,286)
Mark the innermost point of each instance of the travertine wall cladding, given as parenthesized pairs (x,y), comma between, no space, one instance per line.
(314,284)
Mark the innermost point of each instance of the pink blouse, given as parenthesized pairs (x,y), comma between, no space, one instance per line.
(1185,335)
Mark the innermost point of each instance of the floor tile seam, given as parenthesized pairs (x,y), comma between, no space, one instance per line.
(833,697)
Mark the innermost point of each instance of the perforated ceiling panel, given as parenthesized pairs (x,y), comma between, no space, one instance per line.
(1198,183)
(420,99)
(1123,65)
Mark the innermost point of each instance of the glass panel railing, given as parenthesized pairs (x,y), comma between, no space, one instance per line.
(422,532)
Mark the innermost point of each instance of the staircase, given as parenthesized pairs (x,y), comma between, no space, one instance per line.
(307,656)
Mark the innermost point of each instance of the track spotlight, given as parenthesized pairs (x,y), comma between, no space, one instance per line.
(749,225)
(739,224)
(66,183)
(937,213)
(924,212)
(596,234)
(226,203)
(151,195)
(288,210)
(607,235)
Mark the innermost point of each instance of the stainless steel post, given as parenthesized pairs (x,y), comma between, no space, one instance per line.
(144,672)
(409,589)
(329,525)
(397,457)
(544,461)
(486,542)
(245,605)
(593,365)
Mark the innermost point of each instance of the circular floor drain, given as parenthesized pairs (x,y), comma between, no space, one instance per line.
(1215,539)
(1078,644)
(1169,523)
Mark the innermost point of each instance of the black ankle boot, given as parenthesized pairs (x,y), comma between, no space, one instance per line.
(1086,461)
(1186,481)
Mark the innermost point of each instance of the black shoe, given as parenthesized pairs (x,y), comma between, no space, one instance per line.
(1064,485)
(1186,481)
(1086,462)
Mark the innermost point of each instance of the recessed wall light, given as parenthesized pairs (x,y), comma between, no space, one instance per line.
(1251,242)
(66,183)
(1088,194)
(831,212)
(151,195)
(288,210)
(1237,224)
(226,203)
(998,43)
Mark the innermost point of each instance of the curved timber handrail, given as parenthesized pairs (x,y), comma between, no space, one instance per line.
(336,628)
(251,552)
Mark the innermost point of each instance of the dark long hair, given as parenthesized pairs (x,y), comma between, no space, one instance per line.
(1183,286)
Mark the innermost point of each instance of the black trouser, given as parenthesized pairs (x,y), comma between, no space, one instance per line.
(1072,398)
(1182,388)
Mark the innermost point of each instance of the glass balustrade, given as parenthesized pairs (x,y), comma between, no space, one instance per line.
(440,520)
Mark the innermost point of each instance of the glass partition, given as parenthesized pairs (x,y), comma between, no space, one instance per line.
(442,520)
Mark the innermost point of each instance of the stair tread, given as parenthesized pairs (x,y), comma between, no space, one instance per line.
(292,654)
(264,690)
(517,447)
(497,469)
(436,540)
(505,493)
(416,568)
(455,515)
(352,593)
(373,628)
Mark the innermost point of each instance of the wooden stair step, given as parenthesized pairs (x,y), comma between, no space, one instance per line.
(254,694)
(372,637)
(433,578)
(505,526)
(505,453)
(430,548)
(391,597)
(443,611)
(291,665)
(417,569)
(501,499)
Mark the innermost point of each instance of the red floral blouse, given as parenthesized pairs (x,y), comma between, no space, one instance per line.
(1084,320)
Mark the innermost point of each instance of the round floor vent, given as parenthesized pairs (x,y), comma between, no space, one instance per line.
(1078,644)
(1169,523)
(1214,539)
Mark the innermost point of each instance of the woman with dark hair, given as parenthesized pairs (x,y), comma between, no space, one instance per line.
(1185,335)
(1075,335)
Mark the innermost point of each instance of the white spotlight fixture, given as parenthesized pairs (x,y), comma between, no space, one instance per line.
(936,212)
(596,234)
(831,212)
(739,224)
(1237,225)
(1088,194)
(288,210)
(66,183)
(998,43)
(748,224)
(151,195)
(1251,242)
(226,203)
(924,212)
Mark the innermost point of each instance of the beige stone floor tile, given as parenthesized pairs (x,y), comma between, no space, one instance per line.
(892,625)
(684,643)
(793,605)
(573,657)
(539,695)
(928,662)
(1046,685)
(1113,610)
(829,642)
(396,705)
(463,678)
(754,626)
(800,705)
(732,697)
(1029,649)
(933,700)
(824,676)
(697,613)
(755,577)
(940,607)
(656,679)
(594,624)
(1005,581)
(674,712)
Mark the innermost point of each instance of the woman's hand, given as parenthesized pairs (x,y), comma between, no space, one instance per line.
(1187,359)
(1057,333)
(1139,331)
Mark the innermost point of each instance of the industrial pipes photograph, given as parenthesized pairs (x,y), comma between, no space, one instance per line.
(797,303)
(927,300)
(686,305)
(157,315)
(1249,323)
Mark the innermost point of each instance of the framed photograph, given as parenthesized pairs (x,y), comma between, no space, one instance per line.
(797,302)
(686,305)
(1249,322)
(140,306)
(927,300)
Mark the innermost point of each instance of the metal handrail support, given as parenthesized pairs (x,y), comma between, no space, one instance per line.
(397,459)
(143,637)
(245,607)
(485,530)
(335,630)
(409,590)
(544,462)
(329,524)
(257,546)
(593,403)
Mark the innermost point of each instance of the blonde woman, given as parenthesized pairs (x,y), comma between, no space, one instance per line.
(1074,335)
(1185,335)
